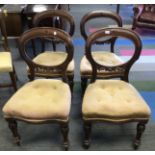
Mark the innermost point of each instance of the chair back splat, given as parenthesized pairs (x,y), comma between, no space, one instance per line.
(45,33)
(121,70)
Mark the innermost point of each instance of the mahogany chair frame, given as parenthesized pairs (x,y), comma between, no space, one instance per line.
(121,71)
(45,32)
(61,17)
(13,75)
(95,15)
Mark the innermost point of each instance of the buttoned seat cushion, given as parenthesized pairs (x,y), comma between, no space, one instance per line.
(40,100)
(5,62)
(113,100)
(104,58)
(50,58)
(147,17)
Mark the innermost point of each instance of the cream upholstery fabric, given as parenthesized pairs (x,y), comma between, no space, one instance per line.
(49,58)
(42,99)
(113,100)
(5,62)
(104,58)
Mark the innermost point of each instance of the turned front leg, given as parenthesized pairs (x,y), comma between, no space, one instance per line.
(13,127)
(140,130)
(71,82)
(83,84)
(87,134)
(64,131)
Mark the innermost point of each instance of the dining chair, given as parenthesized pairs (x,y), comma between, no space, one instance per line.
(113,100)
(44,100)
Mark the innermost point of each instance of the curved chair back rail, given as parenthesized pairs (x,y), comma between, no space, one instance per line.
(113,32)
(55,13)
(3,31)
(98,14)
(43,33)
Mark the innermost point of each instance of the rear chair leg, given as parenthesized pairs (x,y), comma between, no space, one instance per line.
(54,46)
(15,73)
(87,135)
(30,77)
(13,80)
(83,84)
(140,130)
(33,47)
(71,82)
(13,127)
(64,131)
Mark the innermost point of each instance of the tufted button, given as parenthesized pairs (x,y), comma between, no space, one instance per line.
(128,100)
(152,9)
(54,87)
(120,88)
(36,86)
(112,93)
(98,99)
(102,87)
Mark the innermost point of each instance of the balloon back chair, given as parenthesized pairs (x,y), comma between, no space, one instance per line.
(102,56)
(6,65)
(62,20)
(42,100)
(113,100)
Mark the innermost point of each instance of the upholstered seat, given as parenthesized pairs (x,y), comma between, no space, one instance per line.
(104,58)
(40,100)
(113,100)
(144,16)
(147,17)
(50,58)
(5,62)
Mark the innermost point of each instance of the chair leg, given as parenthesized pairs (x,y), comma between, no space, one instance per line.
(133,26)
(87,135)
(125,77)
(83,84)
(13,127)
(42,45)
(30,77)
(13,79)
(140,130)
(71,82)
(54,46)
(17,79)
(33,47)
(64,130)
